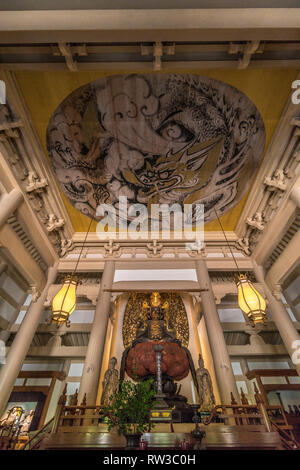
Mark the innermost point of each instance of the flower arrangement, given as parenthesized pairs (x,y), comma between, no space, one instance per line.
(130,407)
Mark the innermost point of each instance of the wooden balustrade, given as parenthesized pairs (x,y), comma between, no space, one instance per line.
(34,442)
(83,418)
(240,415)
(70,418)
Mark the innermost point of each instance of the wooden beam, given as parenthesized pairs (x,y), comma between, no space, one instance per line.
(143,66)
(239,24)
(41,374)
(31,388)
(269,388)
(133,289)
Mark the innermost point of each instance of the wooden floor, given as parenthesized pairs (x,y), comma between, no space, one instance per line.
(218,437)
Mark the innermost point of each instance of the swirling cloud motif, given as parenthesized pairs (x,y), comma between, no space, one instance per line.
(156,138)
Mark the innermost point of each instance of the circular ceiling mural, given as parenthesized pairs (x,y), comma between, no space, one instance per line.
(156,138)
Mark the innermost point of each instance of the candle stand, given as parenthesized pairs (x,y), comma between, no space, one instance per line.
(197,433)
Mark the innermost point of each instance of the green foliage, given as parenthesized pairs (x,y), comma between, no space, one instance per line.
(129,408)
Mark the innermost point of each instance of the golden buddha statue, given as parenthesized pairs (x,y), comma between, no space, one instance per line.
(154,320)
(155,325)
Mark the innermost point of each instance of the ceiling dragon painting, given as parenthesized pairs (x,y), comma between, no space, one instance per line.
(163,138)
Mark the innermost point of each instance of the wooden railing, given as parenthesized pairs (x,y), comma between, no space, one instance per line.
(36,439)
(287,437)
(10,437)
(84,418)
(265,388)
(271,417)
(240,415)
(281,424)
(69,418)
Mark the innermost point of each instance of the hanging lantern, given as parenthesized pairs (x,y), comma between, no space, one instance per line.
(251,301)
(64,302)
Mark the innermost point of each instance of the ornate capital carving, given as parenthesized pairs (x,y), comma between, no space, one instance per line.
(56,338)
(35,293)
(277,181)
(276,292)
(154,248)
(255,338)
(54,223)
(65,246)
(218,298)
(30,170)
(196,249)
(92,296)
(35,187)
(257,221)
(35,183)
(244,244)
(112,249)
(253,330)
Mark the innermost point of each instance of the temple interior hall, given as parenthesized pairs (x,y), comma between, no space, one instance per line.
(149,225)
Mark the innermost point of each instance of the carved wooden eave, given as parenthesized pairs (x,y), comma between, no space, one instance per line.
(154,254)
(25,155)
(286,263)
(269,195)
(156,248)
(21,232)
(34,241)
